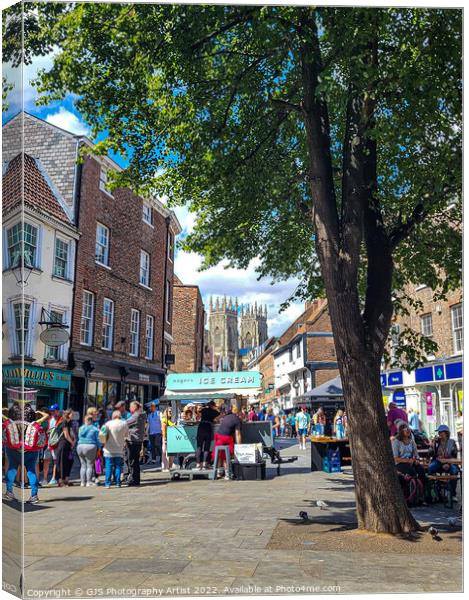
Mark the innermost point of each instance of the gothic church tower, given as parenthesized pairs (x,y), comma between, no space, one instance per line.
(253,326)
(223,334)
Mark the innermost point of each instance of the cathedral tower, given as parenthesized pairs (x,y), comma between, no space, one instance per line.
(253,326)
(223,333)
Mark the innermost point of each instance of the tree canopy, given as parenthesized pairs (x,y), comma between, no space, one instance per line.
(206,103)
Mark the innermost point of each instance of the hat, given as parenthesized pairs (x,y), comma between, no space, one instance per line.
(155,402)
(442,428)
(54,407)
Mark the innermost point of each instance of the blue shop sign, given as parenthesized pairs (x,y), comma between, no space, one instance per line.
(395,378)
(383,379)
(423,374)
(454,370)
(399,398)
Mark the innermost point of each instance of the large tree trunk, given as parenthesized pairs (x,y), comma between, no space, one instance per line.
(381,506)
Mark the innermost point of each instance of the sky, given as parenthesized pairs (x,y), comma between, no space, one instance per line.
(216,281)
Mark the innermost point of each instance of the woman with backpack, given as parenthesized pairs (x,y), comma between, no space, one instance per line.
(23,446)
(64,451)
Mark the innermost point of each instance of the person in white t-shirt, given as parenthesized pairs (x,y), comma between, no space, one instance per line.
(116,432)
(302,423)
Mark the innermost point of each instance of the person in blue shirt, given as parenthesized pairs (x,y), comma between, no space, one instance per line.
(154,431)
(87,446)
(261,415)
(414,421)
(125,414)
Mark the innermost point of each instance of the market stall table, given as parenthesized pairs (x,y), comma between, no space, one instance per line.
(321,445)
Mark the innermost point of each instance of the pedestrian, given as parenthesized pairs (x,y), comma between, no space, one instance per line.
(459,429)
(209,415)
(136,436)
(292,423)
(167,461)
(125,414)
(40,463)
(16,425)
(283,425)
(414,421)
(154,432)
(252,416)
(230,427)
(55,418)
(395,417)
(320,421)
(113,435)
(301,425)
(339,424)
(65,448)
(87,447)
(262,415)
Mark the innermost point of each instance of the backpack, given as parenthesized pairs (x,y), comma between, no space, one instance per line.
(11,435)
(55,434)
(35,438)
(103,434)
(413,490)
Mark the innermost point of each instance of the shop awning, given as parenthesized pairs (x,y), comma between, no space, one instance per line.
(330,389)
(203,397)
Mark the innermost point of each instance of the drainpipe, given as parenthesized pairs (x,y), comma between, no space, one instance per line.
(168,222)
(77,199)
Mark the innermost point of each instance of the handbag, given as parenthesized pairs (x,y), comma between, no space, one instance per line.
(97,466)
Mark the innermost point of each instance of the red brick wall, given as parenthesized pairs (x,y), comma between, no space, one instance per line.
(188,329)
(122,214)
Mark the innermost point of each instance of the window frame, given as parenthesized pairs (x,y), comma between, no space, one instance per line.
(457,331)
(426,324)
(90,318)
(168,307)
(149,355)
(147,205)
(145,254)
(103,181)
(21,225)
(106,248)
(134,341)
(55,353)
(22,347)
(109,325)
(67,244)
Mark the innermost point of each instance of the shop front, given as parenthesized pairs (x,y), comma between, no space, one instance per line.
(435,391)
(44,386)
(97,382)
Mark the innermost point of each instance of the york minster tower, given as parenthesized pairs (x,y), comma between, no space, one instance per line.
(234,331)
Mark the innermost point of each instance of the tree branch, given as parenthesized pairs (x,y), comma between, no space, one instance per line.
(237,21)
(290,106)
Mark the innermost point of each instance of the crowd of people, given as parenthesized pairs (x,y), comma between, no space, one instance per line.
(408,436)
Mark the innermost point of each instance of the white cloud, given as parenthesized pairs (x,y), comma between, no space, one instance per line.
(67,120)
(243,284)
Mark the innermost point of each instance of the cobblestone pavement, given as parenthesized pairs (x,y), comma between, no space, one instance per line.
(204,537)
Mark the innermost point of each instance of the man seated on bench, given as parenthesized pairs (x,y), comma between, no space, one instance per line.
(443,447)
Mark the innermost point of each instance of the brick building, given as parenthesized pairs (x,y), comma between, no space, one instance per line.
(435,389)
(188,328)
(121,322)
(302,358)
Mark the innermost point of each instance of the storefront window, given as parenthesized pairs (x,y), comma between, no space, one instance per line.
(134,392)
(101,393)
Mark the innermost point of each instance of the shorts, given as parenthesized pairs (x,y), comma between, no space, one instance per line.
(302,431)
(49,454)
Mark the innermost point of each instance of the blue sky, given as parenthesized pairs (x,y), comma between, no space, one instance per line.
(216,281)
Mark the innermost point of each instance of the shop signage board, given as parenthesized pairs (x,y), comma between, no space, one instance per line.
(395,378)
(454,370)
(182,439)
(399,398)
(439,372)
(423,374)
(383,379)
(217,380)
(31,376)
(429,406)
(54,336)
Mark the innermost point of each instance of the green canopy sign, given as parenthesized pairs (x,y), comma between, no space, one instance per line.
(219,380)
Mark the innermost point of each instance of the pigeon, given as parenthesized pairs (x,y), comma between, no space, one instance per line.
(322,505)
(304,515)
(433,531)
(453,521)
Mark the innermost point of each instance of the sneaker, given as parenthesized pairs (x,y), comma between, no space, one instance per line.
(9,496)
(227,477)
(33,500)
(91,484)
(198,468)
(82,484)
(205,466)
(107,487)
(52,482)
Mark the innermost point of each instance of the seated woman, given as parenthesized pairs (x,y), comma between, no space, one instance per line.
(444,447)
(405,454)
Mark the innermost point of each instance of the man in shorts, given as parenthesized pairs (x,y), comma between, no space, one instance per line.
(49,453)
(302,420)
